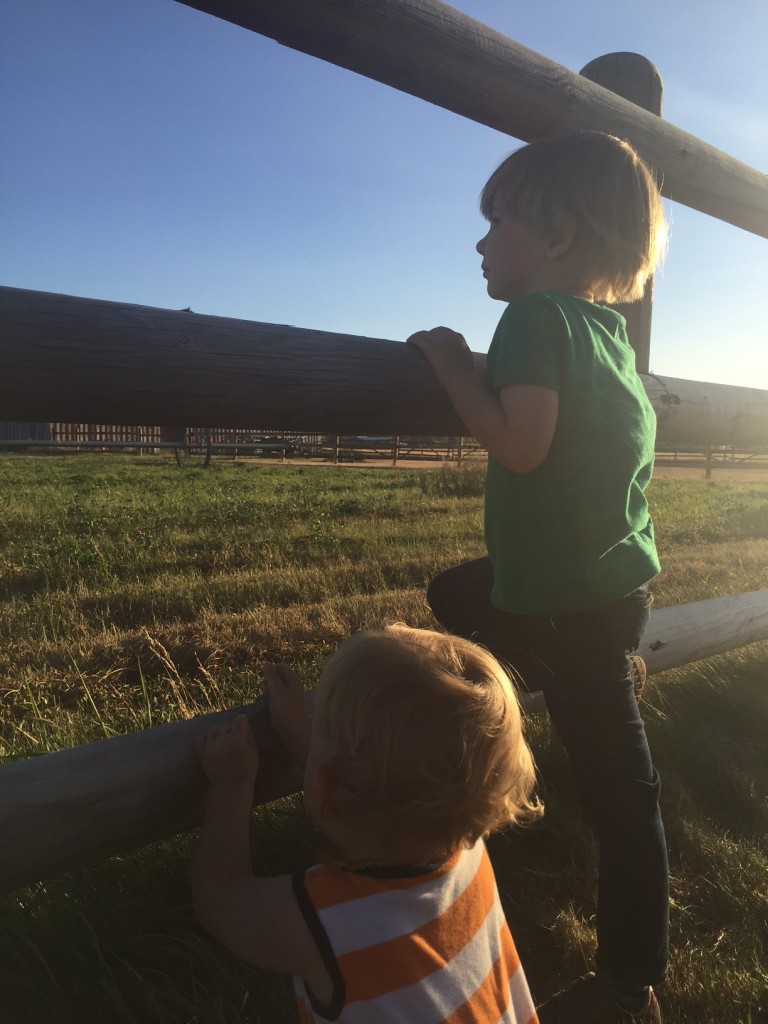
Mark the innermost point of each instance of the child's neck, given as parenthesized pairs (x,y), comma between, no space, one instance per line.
(564,274)
(356,848)
(567,284)
(577,293)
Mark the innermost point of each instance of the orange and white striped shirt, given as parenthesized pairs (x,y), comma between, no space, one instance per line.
(430,948)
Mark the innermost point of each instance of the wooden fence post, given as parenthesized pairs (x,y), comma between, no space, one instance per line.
(637,80)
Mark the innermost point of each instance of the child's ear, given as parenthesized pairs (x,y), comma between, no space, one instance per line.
(561,239)
(324,780)
(320,784)
(323,784)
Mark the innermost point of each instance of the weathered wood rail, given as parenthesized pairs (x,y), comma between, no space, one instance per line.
(431,50)
(86,360)
(62,810)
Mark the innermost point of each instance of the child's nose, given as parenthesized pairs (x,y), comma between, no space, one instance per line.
(481,245)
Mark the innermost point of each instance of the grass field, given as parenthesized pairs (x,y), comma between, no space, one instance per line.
(134,593)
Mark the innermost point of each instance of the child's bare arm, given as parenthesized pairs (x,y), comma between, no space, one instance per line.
(516,426)
(287,711)
(258,919)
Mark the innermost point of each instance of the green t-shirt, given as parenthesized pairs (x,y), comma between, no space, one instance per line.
(575,533)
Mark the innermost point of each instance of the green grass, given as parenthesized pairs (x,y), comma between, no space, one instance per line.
(133,593)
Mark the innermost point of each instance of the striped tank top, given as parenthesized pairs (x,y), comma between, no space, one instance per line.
(430,948)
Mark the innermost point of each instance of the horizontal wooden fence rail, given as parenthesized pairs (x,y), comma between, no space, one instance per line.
(73,359)
(431,50)
(691,632)
(699,413)
(70,359)
(62,810)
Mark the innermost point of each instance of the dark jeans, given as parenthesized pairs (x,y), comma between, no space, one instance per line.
(581,662)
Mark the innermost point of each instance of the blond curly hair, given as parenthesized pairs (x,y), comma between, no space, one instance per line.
(425,736)
(610,194)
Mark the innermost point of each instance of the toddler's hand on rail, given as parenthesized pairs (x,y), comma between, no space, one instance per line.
(228,753)
(446,351)
(285,696)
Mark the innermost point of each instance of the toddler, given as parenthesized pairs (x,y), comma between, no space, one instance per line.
(414,753)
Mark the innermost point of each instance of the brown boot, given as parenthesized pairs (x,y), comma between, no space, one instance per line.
(588,1001)
(639,675)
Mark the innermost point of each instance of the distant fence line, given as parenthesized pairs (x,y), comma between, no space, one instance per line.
(93,433)
(229,441)
(329,447)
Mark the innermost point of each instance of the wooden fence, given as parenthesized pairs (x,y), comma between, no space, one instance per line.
(69,808)
(213,370)
(131,364)
(103,433)
(95,435)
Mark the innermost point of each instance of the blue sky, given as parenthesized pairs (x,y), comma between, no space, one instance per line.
(156,155)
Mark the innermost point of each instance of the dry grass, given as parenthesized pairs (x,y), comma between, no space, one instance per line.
(133,593)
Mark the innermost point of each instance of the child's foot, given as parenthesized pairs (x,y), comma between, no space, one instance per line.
(588,1001)
(639,675)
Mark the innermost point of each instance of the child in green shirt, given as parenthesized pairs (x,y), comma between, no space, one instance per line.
(575,221)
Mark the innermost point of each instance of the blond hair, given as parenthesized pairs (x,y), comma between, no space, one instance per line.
(425,736)
(600,184)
